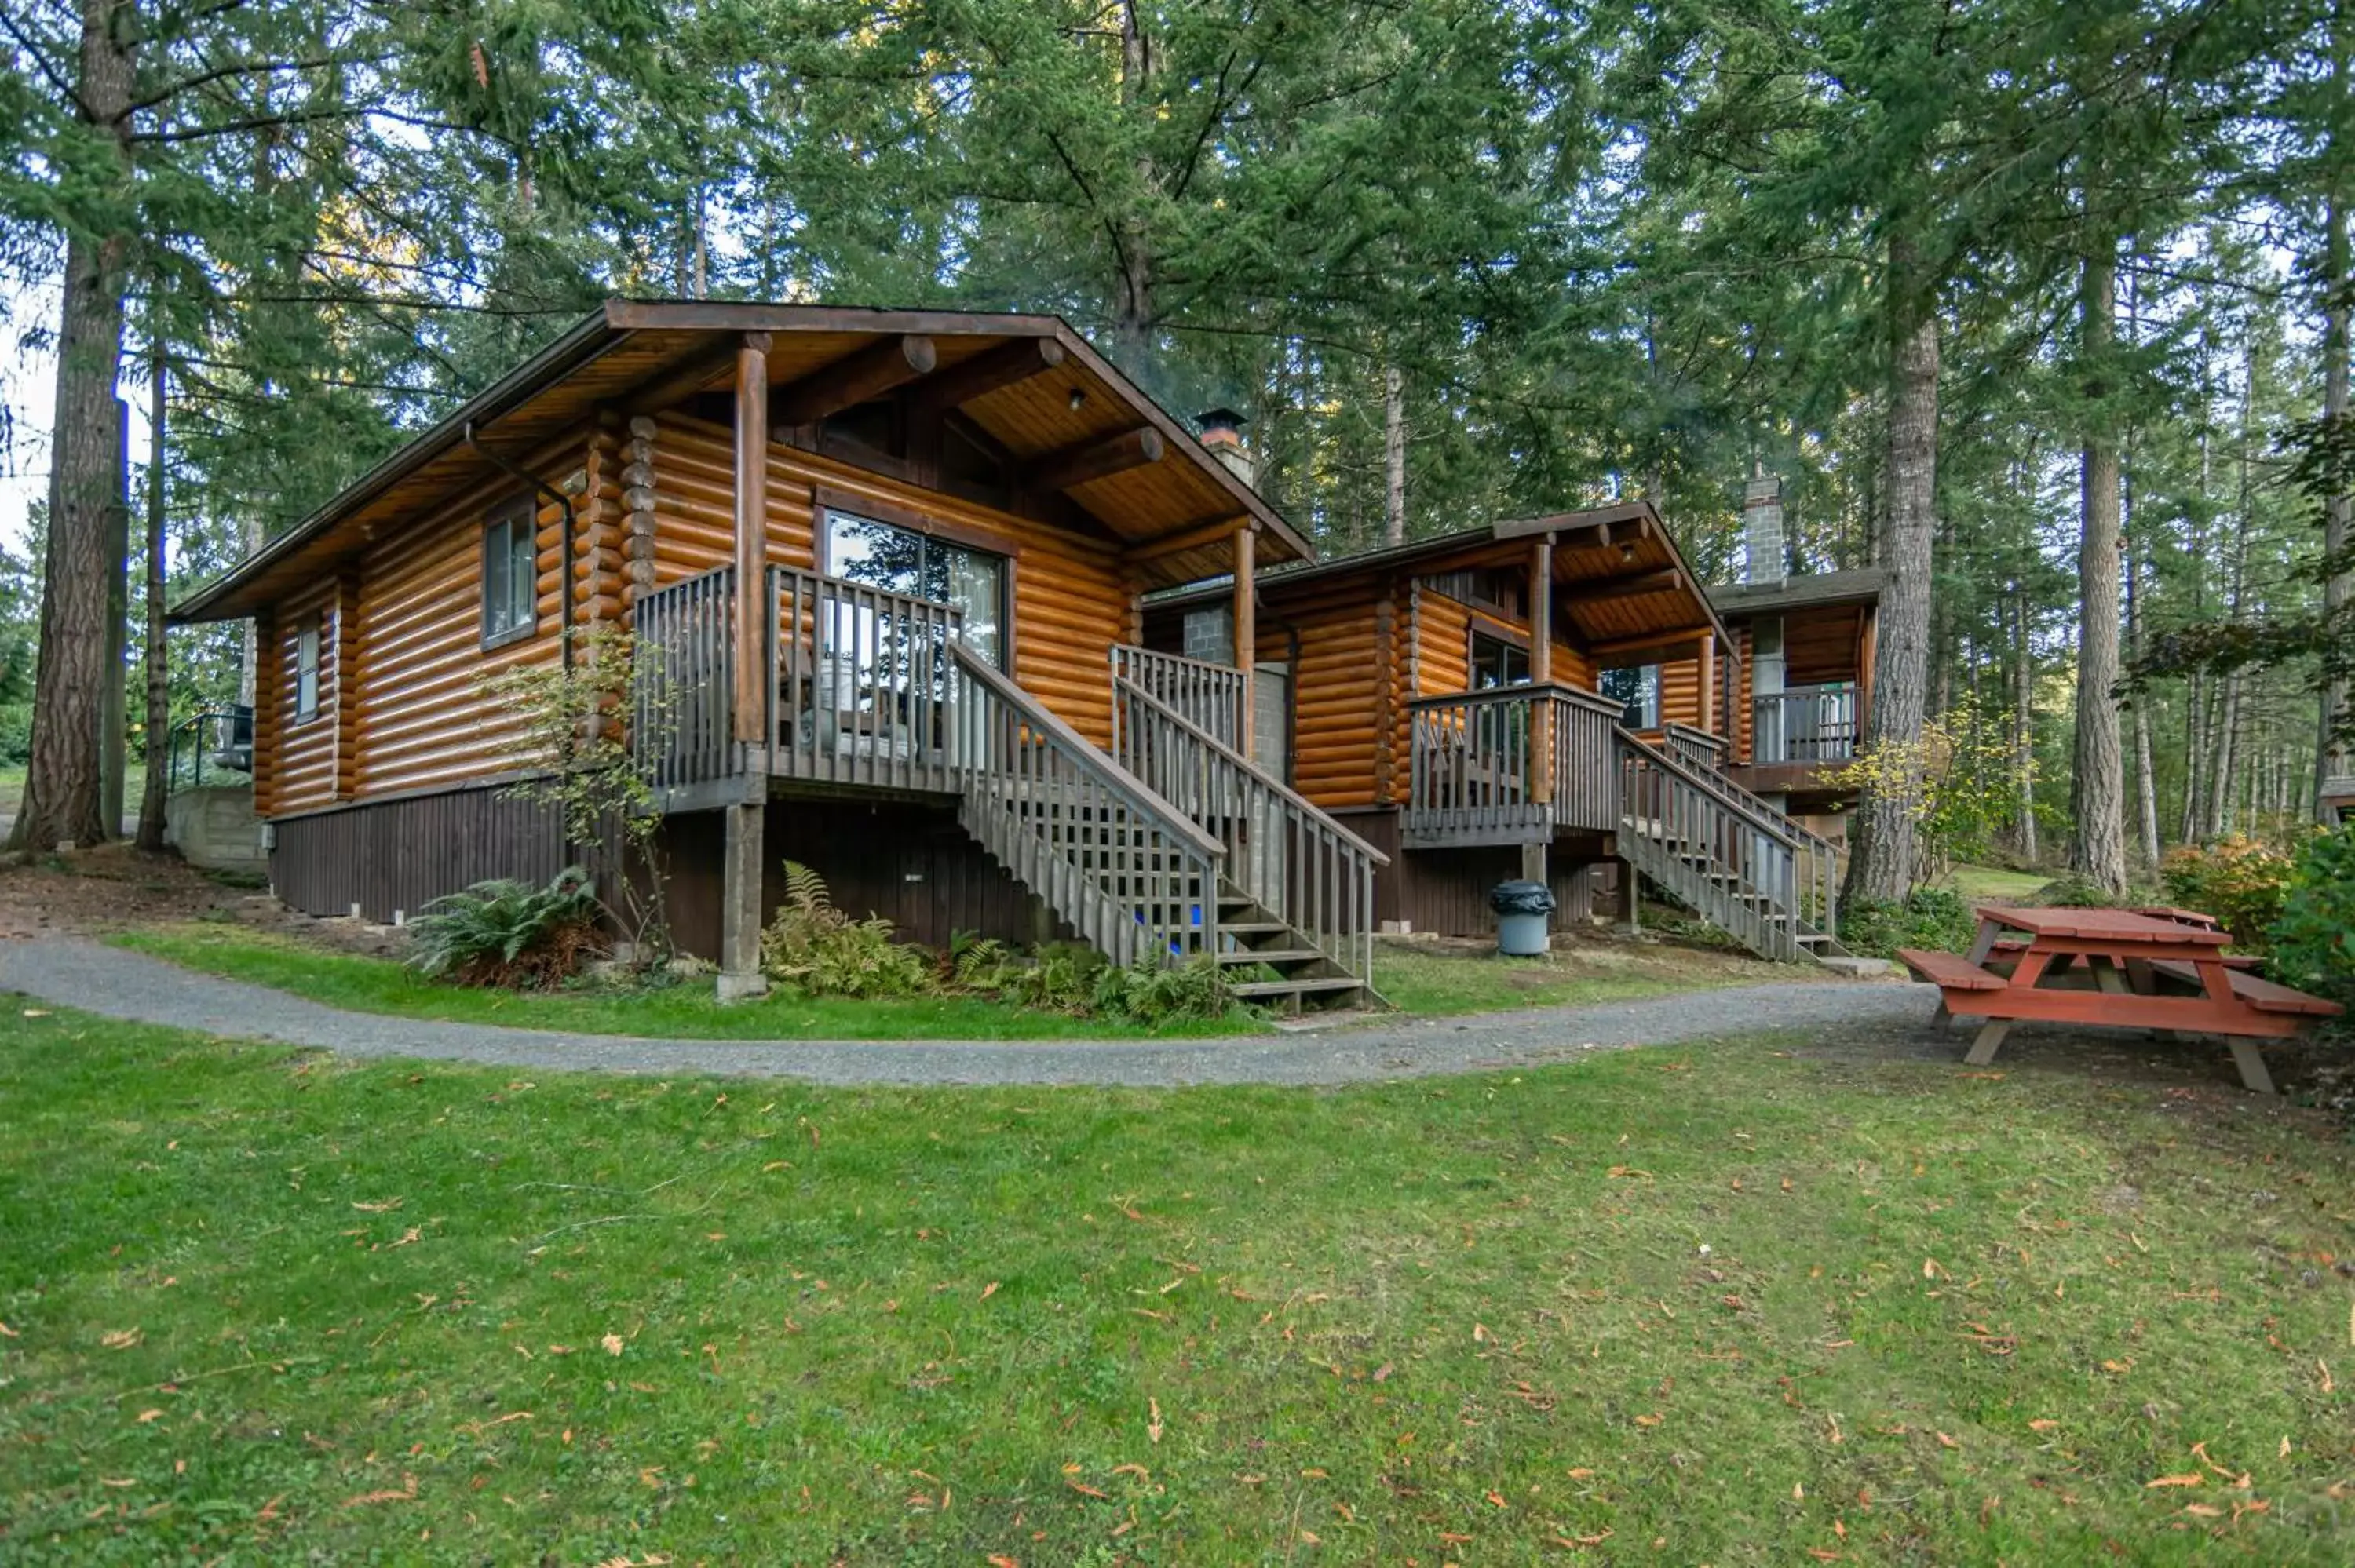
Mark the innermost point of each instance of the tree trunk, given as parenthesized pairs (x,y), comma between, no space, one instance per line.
(2331,754)
(2228,727)
(1882,865)
(1393,455)
(2024,734)
(61,781)
(159,685)
(2146,779)
(2098,851)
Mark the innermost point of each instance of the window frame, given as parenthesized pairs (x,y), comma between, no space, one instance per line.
(310,650)
(502,524)
(930,538)
(1509,645)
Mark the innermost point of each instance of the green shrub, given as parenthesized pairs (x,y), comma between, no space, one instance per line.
(2072,891)
(2313,937)
(1152,993)
(507,933)
(1932,917)
(814,946)
(2239,881)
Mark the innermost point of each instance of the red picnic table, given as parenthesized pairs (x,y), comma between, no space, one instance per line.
(2125,968)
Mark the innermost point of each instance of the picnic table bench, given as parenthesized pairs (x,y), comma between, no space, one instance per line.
(2160,969)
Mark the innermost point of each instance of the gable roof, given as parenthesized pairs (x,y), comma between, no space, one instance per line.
(641,356)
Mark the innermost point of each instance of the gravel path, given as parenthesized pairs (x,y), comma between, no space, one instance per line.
(71,972)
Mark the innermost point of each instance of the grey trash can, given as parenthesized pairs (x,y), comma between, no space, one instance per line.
(1521,909)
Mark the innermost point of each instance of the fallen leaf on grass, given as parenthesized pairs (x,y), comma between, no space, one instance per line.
(2043,1425)
(2189,1479)
(1649,1420)
(613,1343)
(1085,1491)
(120,1339)
(408,1494)
(1578,1543)
(1153,1421)
(2205,1510)
(8,1333)
(1000,1560)
(1382,1372)
(147,1415)
(381,1206)
(1947,1442)
(989,1290)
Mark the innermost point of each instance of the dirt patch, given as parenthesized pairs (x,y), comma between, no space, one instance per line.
(92,891)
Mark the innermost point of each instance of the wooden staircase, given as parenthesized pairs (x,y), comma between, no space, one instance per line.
(1725,854)
(1295,905)
(1136,871)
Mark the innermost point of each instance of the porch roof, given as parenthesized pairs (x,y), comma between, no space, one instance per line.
(1619,577)
(1030,384)
(1858,585)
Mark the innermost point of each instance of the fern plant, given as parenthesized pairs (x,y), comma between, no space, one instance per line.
(510,933)
(811,944)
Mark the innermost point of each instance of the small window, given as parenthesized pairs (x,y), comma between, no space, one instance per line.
(306,673)
(1497,662)
(510,575)
(1636,688)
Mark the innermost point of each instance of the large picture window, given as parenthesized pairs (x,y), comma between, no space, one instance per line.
(903,561)
(510,575)
(1636,688)
(1497,662)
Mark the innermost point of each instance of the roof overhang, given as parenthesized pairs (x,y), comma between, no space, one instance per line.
(1176,516)
(1856,584)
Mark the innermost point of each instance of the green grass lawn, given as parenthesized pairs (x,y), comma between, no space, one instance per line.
(1421,983)
(1717,1305)
(687,1011)
(1996,882)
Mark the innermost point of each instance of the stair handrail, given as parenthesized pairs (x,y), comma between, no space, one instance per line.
(1176,927)
(1722,790)
(1823,855)
(1337,916)
(1212,686)
(1265,780)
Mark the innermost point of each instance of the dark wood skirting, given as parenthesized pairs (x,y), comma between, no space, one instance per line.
(401,854)
(1446,891)
(908,861)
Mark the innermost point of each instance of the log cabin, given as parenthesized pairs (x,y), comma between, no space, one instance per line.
(1542,699)
(877,570)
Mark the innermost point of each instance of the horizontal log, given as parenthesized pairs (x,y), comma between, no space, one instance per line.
(1097,457)
(864,373)
(992,369)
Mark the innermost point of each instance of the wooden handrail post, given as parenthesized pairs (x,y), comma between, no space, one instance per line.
(1246,629)
(750,697)
(1541,669)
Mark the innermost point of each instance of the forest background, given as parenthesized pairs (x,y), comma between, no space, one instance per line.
(2041,303)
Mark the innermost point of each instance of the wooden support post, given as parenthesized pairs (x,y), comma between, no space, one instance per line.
(1708,682)
(750,706)
(739,904)
(1630,902)
(1541,673)
(1533,862)
(1246,629)
(2252,1063)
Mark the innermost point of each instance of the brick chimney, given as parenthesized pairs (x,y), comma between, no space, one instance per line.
(1764,553)
(1223,434)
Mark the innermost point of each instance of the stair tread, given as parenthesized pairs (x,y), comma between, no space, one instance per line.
(1290,987)
(1270,955)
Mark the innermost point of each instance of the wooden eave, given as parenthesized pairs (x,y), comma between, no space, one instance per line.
(639,355)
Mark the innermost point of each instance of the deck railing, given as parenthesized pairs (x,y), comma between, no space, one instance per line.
(1291,859)
(862,683)
(221,739)
(684,680)
(1511,765)
(1131,872)
(1818,870)
(1208,696)
(1806,724)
